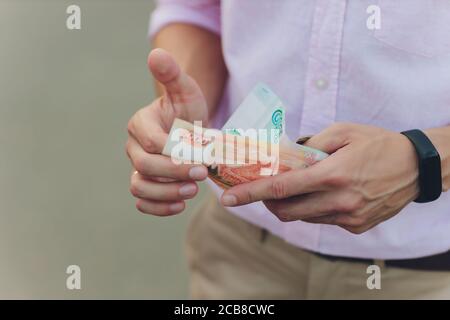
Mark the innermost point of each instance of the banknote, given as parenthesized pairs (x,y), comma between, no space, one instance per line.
(261,109)
(251,145)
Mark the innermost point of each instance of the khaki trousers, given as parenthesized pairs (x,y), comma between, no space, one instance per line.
(230,258)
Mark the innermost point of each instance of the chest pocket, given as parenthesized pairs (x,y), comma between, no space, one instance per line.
(420,27)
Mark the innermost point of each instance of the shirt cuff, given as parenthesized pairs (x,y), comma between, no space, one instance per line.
(205,16)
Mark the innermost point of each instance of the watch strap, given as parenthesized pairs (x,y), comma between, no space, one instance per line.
(430,177)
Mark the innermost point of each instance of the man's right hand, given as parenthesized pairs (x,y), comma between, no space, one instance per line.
(160,186)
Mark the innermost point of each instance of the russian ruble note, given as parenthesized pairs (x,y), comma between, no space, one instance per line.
(251,145)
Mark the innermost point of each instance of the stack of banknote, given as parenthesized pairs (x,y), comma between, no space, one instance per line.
(250,146)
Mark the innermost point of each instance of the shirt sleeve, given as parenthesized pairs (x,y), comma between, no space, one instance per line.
(202,13)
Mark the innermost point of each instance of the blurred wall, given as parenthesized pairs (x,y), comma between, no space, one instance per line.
(65,99)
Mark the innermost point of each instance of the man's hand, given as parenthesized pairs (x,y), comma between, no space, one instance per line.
(369,177)
(160,185)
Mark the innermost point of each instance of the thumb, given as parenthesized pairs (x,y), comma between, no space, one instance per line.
(331,139)
(167,71)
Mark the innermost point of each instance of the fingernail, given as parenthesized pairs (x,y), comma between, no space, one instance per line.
(187,190)
(198,173)
(176,207)
(229,200)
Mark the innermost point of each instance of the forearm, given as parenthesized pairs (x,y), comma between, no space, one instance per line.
(441,140)
(199,53)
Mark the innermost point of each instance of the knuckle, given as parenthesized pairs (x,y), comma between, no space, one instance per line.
(147,144)
(338,178)
(357,202)
(249,197)
(140,207)
(278,189)
(135,189)
(140,164)
(284,216)
(356,230)
(350,204)
(355,222)
(355,225)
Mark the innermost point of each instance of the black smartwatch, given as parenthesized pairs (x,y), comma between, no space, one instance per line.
(430,178)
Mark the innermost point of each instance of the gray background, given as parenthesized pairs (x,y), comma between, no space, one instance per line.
(65,99)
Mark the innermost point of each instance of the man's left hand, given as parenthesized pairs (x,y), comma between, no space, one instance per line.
(370,175)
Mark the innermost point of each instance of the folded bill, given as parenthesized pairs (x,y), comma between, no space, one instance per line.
(251,145)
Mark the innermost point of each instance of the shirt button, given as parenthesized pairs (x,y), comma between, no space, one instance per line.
(321,84)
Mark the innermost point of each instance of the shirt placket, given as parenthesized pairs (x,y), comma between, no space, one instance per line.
(319,108)
(321,89)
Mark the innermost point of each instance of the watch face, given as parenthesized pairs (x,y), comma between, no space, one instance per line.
(430,175)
